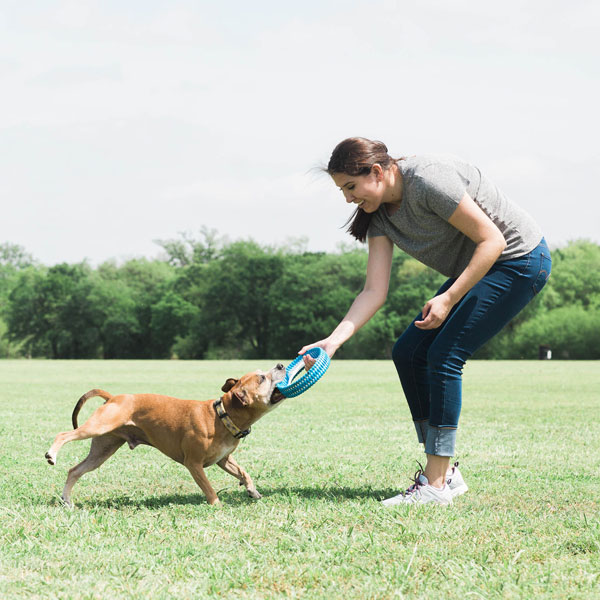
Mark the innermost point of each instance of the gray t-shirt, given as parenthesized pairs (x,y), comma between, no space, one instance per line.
(432,188)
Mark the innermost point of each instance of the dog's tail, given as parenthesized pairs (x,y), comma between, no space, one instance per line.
(83,400)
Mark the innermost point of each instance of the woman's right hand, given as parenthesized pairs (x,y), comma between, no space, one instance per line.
(325,344)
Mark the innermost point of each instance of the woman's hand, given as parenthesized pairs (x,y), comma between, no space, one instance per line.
(325,344)
(435,312)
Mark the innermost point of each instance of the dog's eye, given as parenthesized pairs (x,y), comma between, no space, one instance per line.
(261,378)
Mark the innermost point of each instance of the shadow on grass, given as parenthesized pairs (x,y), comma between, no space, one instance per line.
(234,497)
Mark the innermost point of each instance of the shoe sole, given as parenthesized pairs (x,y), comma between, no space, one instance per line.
(388,504)
(417,504)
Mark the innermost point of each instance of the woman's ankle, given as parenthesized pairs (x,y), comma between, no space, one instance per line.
(436,469)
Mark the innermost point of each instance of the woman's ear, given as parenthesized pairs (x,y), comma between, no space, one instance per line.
(377,170)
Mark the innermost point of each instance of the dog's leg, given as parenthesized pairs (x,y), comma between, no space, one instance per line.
(101,450)
(230,465)
(195,468)
(104,420)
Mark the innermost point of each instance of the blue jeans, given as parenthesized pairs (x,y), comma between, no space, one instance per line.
(430,362)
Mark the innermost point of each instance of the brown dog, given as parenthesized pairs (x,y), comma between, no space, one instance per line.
(194,433)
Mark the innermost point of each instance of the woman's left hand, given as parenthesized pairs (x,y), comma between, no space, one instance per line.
(435,312)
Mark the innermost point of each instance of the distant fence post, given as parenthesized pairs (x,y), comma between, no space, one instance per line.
(545,353)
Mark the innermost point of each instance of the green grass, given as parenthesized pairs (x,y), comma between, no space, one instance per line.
(529,446)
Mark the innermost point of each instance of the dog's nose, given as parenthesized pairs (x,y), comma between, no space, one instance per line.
(280,366)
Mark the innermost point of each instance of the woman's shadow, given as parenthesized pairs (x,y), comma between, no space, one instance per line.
(233,496)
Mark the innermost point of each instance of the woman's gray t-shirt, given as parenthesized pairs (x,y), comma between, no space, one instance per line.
(432,187)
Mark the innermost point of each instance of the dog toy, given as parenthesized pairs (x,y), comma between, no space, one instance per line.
(290,388)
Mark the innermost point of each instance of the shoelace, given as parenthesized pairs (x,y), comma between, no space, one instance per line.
(416,483)
(449,479)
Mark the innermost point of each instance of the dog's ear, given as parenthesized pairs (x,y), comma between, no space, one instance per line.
(229,384)
(242,396)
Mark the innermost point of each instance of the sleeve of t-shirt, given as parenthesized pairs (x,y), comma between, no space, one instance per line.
(444,188)
(375,227)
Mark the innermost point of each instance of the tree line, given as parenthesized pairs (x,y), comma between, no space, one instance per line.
(209,298)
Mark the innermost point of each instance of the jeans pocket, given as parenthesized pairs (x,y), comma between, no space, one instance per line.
(544,273)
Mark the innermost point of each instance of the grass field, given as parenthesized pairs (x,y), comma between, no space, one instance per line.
(529,446)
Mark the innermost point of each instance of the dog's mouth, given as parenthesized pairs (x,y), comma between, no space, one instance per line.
(276,396)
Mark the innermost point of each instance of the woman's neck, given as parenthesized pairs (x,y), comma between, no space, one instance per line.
(393,195)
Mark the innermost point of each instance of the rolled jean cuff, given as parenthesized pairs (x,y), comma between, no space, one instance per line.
(440,441)
(421,427)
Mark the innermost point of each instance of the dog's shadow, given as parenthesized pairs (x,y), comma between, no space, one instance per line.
(233,496)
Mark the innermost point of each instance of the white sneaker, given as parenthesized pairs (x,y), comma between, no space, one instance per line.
(455,481)
(420,492)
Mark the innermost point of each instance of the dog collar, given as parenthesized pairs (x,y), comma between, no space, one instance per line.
(235,431)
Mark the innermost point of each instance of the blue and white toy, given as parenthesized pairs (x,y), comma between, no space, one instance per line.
(290,388)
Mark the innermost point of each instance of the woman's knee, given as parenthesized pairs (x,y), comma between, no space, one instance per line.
(399,354)
(446,359)
(406,354)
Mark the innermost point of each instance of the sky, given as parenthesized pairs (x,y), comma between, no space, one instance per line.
(127,122)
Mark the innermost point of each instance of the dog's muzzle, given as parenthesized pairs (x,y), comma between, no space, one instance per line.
(277,375)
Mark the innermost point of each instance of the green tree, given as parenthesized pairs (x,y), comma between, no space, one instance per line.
(570,331)
(243,300)
(312,294)
(574,283)
(13,260)
(115,310)
(237,306)
(126,297)
(25,323)
(188,250)
(575,278)
(171,318)
(411,285)
(50,313)
(15,256)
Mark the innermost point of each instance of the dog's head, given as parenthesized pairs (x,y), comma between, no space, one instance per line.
(257,389)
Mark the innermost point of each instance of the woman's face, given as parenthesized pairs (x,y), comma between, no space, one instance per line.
(366,191)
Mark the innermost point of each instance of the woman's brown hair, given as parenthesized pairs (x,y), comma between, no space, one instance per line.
(356,156)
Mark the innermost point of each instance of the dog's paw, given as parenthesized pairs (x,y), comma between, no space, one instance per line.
(51,460)
(254,494)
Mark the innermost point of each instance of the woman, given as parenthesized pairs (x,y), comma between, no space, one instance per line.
(445,213)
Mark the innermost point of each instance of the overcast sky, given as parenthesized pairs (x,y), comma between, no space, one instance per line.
(123,122)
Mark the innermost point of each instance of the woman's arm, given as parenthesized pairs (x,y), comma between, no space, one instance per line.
(477,226)
(367,303)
